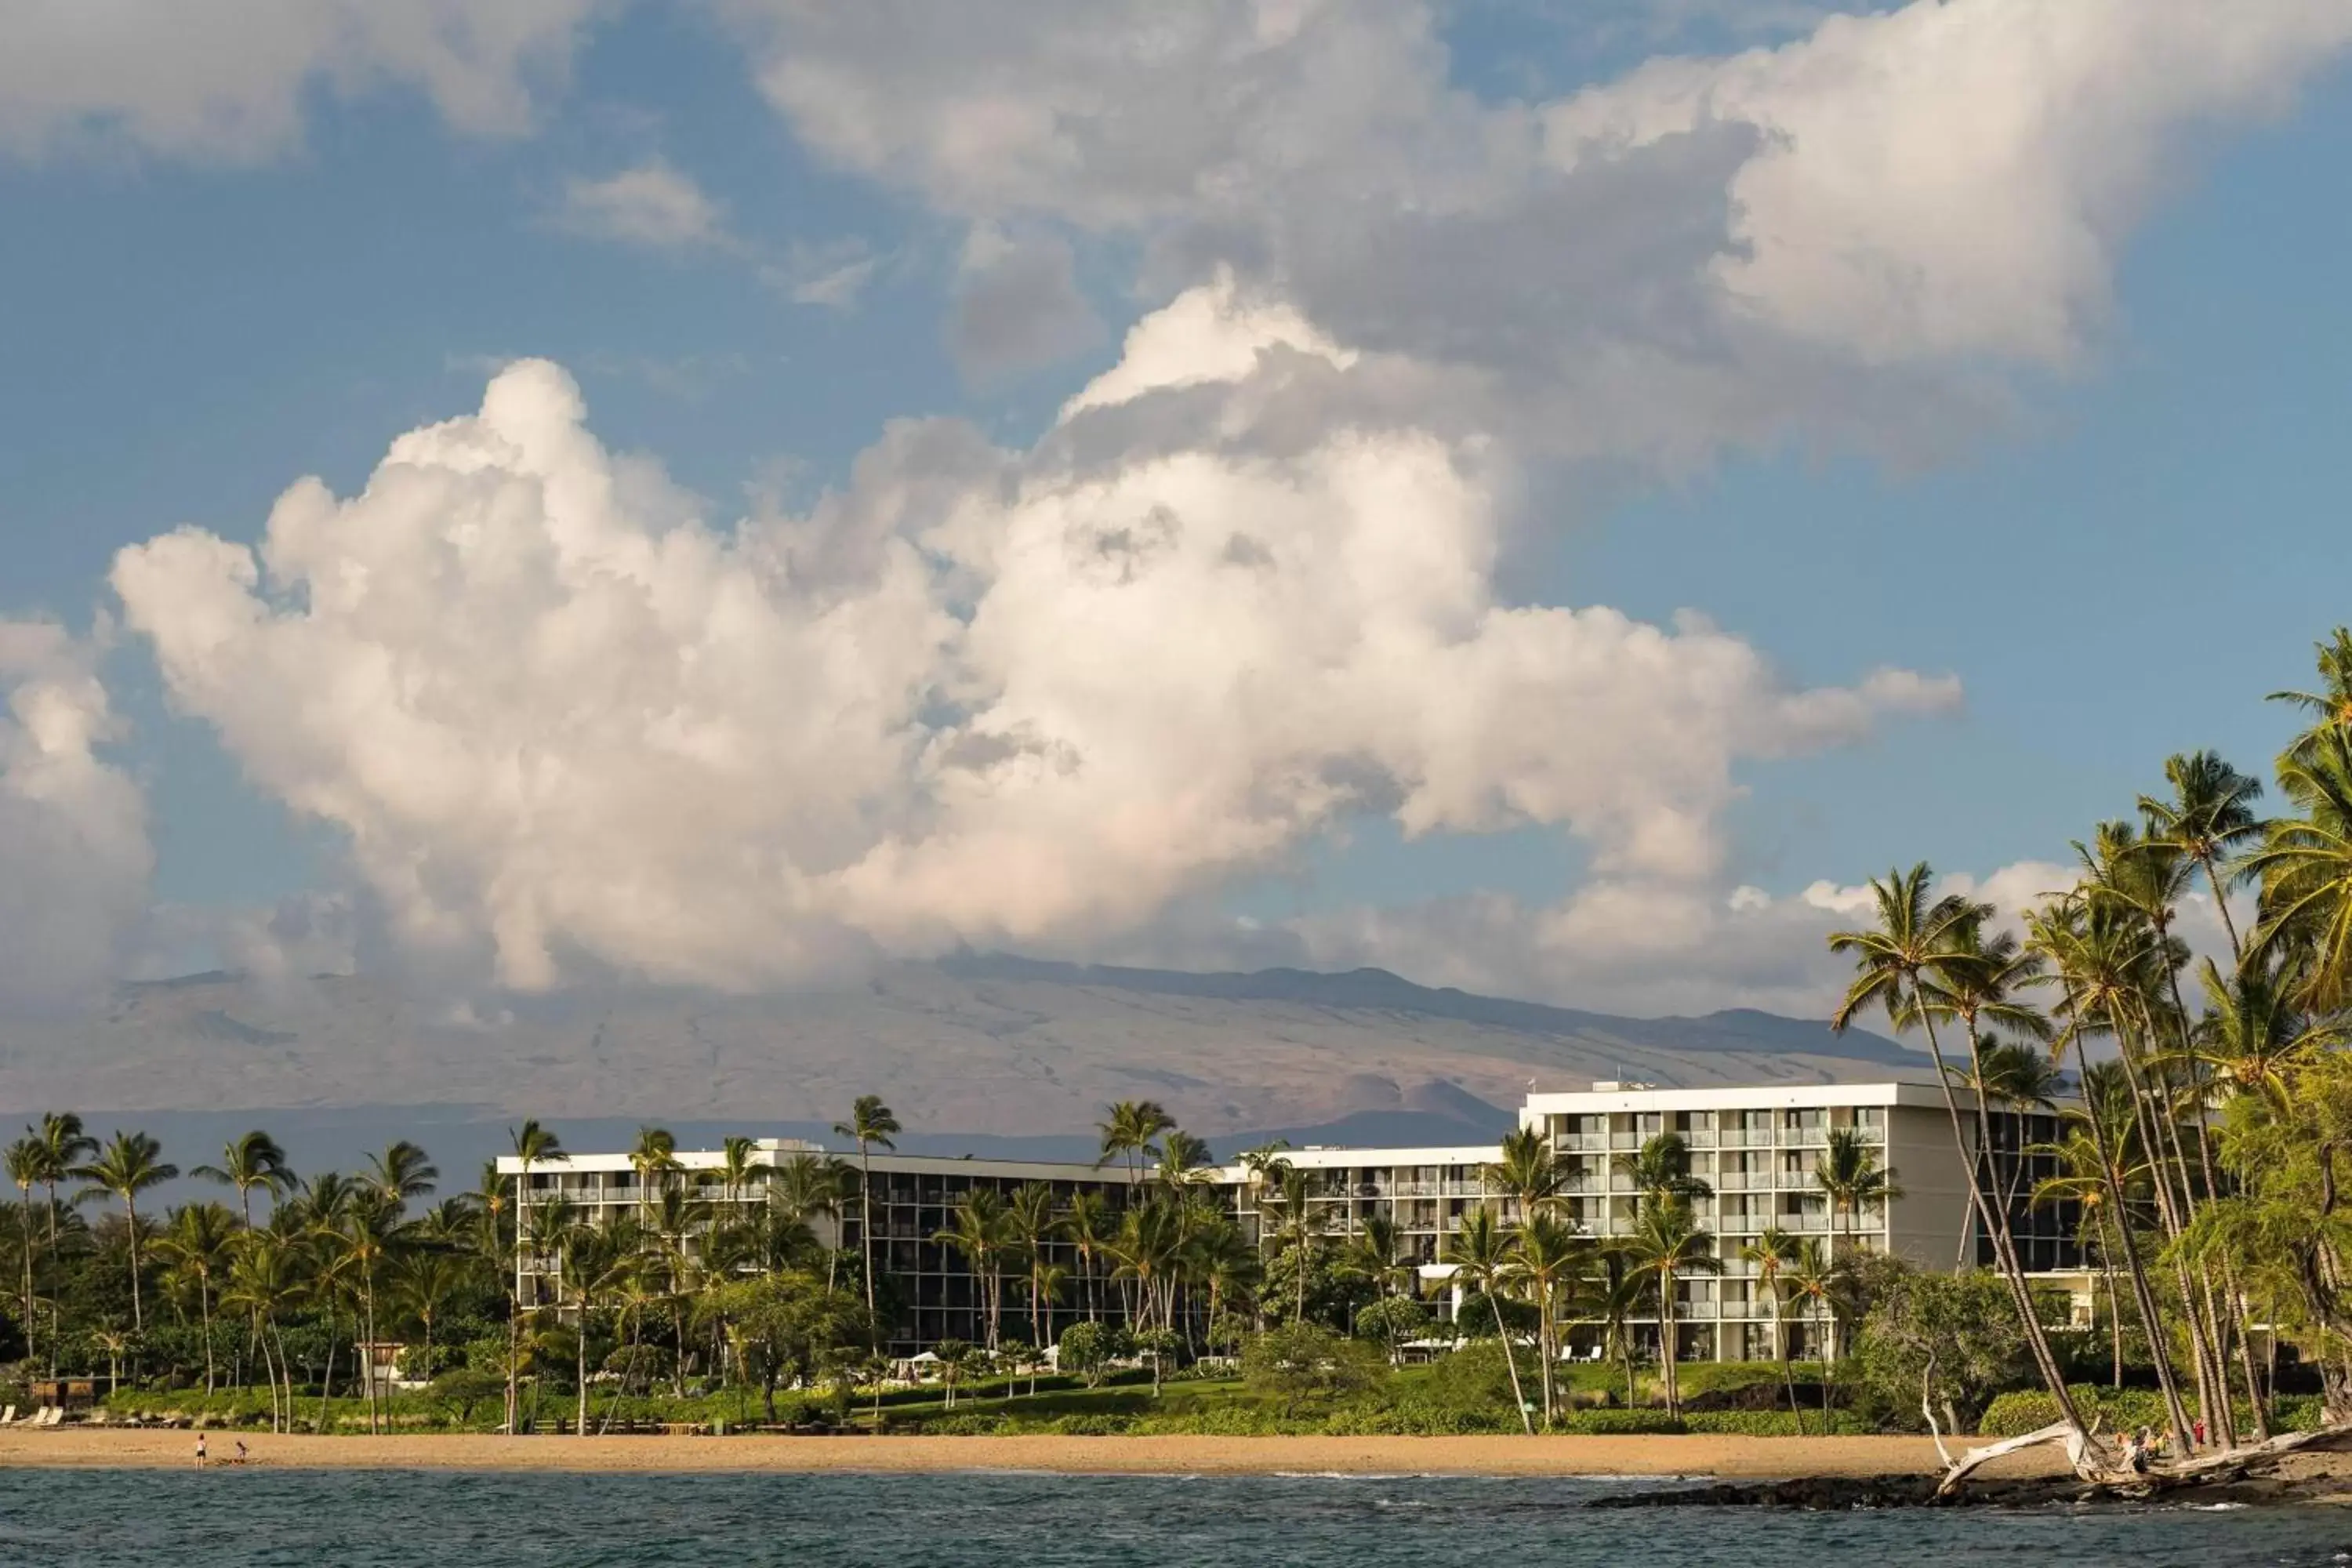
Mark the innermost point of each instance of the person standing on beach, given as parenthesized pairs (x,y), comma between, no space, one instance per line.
(200,1451)
(240,1450)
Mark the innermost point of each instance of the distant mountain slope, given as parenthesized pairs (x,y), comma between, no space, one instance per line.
(1377,990)
(975,1047)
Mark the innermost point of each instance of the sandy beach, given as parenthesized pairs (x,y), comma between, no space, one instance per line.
(1559,1456)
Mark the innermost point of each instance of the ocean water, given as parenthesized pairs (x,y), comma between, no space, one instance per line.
(231,1518)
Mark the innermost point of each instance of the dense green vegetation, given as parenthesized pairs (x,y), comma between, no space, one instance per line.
(2204,1131)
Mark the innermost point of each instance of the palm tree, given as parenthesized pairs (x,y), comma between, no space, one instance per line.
(1296,1222)
(2210,819)
(261,1278)
(2099,961)
(401,1173)
(1184,1160)
(981,1229)
(1919,949)
(1659,1171)
(1128,1129)
(1549,1259)
(2330,707)
(594,1261)
(1851,1177)
(252,1161)
(130,1165)
(653,1158)
(1371,1257)
(24,1169)
(1769,1254)
(1032,1224)
(2251,1036)
(1146,1252)
(1667,1242)
(872,1126)
(59,1144)
(1813,1280)
(1527,1170)
(194,1244)
(1088,1223)
(2305,865)
(1483,1255)
(533,1145)
(423,1283)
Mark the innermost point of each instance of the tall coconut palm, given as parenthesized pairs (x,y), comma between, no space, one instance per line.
(1770,1255)
(250,1161)
(1852,1179)
(424,1281)
(25,1167)
(401,1173)
(2099,961)
(1658,1172)
(1527,1170)
(263,1277)
(1297,1222)
(1667,1245)
(2251,1038)
(1810,1279)
(1549,1261)
(2305,866)
(1371,1256)
(872,1126)
(533,1145)
(1483,1254)
(1918,940)
(1088,1223)
(594,1261)
(2330,707)
(132,1165)
(2210,818)
(979,1228)
(653,1158)
(195,1245)
(1034,1223)
(1127,1131)
(61,1144)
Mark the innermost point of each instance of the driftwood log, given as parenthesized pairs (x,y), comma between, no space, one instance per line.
(2100,1462)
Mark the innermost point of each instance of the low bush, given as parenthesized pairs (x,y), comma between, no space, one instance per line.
(1773,1423)
(1621,1423)
(2124,1410)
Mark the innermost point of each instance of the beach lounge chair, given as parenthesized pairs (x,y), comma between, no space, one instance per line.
(50,1416)
(8,1416)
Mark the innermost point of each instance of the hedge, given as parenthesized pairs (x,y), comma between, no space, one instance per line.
(2125,1410)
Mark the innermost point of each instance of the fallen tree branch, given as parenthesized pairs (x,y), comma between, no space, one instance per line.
(2097,1461)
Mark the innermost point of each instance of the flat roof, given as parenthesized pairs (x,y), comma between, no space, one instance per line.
(1753,1097)
(613,1163)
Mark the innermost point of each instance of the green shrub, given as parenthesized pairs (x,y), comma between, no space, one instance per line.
(1091,1426)
(1773,1423)
(2124,1410)
(1620,1423)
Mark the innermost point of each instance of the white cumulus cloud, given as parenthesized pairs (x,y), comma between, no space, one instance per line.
(1026,698)
(74,853)
(652,204)
(226,80)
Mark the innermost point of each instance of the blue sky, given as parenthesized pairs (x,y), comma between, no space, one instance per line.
(2115,565)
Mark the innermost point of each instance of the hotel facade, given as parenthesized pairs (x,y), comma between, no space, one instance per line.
(1757,1150)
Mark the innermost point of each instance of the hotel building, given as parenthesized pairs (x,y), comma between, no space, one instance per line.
(1757,1150)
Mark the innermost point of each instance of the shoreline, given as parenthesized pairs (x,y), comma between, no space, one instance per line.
(1738,1457)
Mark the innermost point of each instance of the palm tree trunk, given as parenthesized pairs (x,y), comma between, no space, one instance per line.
(204,1303)
(2114,1312)
(2044,1362)
(130,1211)
(865,1236)
(1788,1374)
(2160,1171)
(1666,1346)
(580,1428)
(2135,1268)
(1510,1360)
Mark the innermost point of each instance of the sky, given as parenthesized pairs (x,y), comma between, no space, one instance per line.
(1546,498)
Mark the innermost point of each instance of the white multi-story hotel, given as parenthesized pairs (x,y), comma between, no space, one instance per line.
(1757,1150)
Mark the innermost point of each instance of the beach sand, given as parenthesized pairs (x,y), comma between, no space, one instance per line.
(1757,1458)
